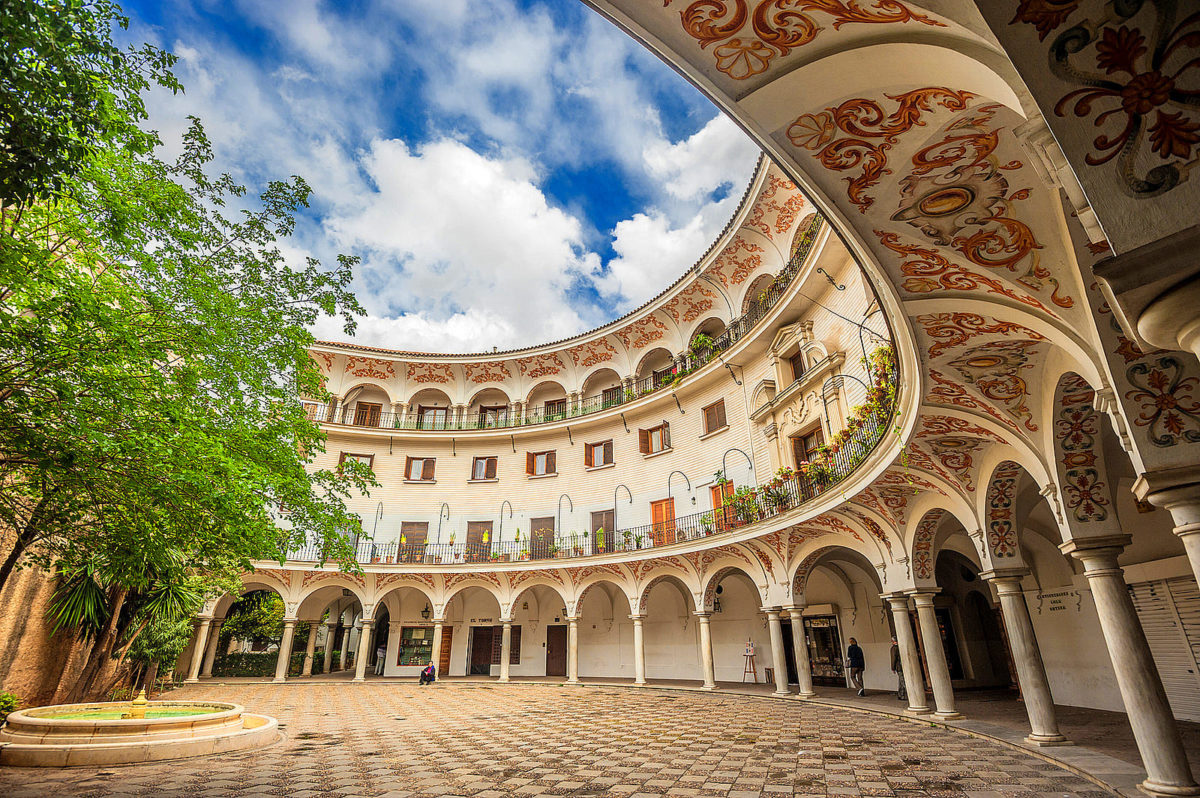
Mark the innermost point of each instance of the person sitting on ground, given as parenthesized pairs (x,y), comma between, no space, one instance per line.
(428,675)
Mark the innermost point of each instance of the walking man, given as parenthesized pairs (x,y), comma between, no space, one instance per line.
(856,663)
(898,669)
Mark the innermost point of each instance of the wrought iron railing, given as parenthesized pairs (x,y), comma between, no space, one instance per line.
(665,377)
(745,507)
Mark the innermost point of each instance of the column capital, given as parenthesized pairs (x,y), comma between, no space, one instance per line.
(438,620)
(1103,548)
(897,600)
(702,614)
(506,621)
(636,617)
(1004,574)
(771,612)
(203,618)
(793,609)
(289,621)
(923,596)
(574,618)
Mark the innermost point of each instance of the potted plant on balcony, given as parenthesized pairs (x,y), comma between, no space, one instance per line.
(706,524)
(745,504)
(553,550)
(775,496)
(720,480)
(638,539)
(628,540)
(701,343)
(600,540)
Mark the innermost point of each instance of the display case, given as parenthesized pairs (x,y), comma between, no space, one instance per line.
(825,649)
(416,645)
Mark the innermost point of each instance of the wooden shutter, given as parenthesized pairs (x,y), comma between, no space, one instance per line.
(529,458)
(644,441)
(491,468)
(588,459)
(408,461)
(719,409)
(710,418)
(427,468)
(551,467)
(608,452)
(666,436)
(514,652)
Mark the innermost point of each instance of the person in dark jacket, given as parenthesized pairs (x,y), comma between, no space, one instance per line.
(428,675)
(856,663)
(898,669)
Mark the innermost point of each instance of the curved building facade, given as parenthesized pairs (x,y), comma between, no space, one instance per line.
(938,378)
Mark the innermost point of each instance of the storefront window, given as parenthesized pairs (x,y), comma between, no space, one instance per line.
(825,649)
(416,645)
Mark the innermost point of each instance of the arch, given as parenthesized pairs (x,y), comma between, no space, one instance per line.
(799,579)
(713,581)
(471,583)
(654,360)
(392,595)
(689,598)
(367,386)
(537,582)
(598,380)
(545,390)
(712,326)
(428,397)
(221,606)
(800,234)
(576,607)
(324,588)
(488,396)
(754,289)
(1000,508)
(1082,476)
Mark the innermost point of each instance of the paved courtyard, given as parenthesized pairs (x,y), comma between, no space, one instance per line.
(477,739)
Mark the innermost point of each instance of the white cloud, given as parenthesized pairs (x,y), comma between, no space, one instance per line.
(460,239)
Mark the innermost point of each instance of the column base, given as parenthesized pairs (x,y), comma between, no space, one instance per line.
(918,711)
(358,680)
(1047,740)
(806,695)
(639,684)
(279,680)
(1173,790)
(782,693)
(948,715)
(708,687)
(191,681)
(574,683)
(503,679)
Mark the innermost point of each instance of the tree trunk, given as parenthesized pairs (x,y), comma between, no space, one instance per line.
(151,677)
(27,535)
(102,650)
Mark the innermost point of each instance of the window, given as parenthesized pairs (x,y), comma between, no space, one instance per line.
(366,459)
(539,464)
(366,414)
(431,417)
(514,651)
(419,469)
(804,446)
(662,517)
(797,361)
(611,396)
(492,416)
(484,468)
(656,439)
(312,411)
(555,409)
(714,417)
(598,454)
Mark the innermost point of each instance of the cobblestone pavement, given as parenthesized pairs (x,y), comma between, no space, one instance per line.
(491,740)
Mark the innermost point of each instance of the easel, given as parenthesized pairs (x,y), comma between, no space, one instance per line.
(750,669)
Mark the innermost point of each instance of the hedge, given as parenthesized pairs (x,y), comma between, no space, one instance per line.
(262,663)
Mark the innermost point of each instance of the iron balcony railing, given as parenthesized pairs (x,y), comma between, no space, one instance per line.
(745,507)
(666,376)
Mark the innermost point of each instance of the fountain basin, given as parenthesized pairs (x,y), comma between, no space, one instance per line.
(95,734)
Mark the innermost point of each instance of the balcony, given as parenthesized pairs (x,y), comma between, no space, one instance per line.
(682,366)
(745,508)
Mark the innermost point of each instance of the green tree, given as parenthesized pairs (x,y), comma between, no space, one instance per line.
(159,646)
(256,617)
(66,90)
(153,349)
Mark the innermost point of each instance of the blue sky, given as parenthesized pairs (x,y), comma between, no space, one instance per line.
(510,172)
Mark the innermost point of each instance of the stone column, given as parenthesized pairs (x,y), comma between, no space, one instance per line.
(505,650)
(330,637)
(1178,492)
(210,655)
(285,650)
(310,649)
(639,651)
(1027,657)
(778,660)
(911,660)
(572,649)
(345,646)
(364,650)
(935,655)
(800,645)
(707,666)
(435,652)
(1154,729)
(198,651)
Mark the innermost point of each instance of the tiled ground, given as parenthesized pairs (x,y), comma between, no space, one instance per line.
(490,740)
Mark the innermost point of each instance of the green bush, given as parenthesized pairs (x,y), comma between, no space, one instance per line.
(262,663)
(8,703)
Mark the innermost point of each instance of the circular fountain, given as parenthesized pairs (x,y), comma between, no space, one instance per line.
(114,733)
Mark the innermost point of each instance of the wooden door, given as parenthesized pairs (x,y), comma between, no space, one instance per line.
(443,664)
(662,516)
(541,538)
(603,519)
(366,414)
(412,540)
(556,650)
(481,651)
(722,515)
(479,540)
